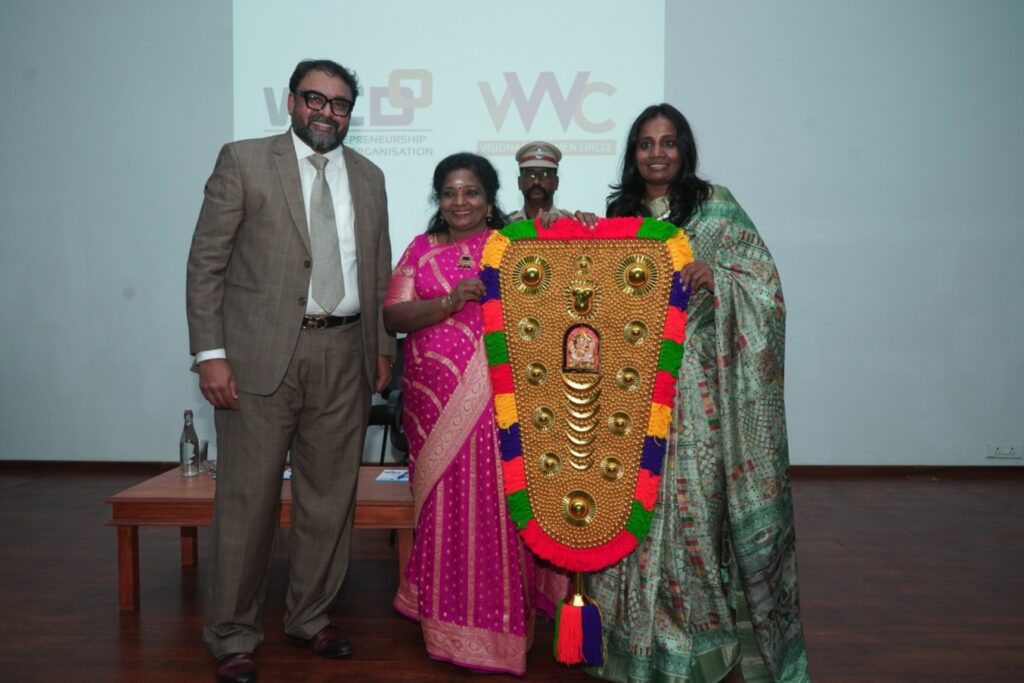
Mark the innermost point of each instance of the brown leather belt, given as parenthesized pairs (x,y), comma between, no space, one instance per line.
(322,322)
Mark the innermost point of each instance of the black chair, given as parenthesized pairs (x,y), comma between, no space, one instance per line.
(389,415)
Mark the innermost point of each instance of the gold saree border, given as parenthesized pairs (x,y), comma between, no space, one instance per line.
(470,399)
(476,647)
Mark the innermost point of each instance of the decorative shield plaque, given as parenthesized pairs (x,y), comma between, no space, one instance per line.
(584,335)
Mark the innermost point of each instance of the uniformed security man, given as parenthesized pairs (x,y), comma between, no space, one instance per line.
(538,180)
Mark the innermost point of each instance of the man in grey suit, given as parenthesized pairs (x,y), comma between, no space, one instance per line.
(290,262)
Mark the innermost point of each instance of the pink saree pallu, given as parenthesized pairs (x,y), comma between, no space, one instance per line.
(470,582)
(584,333)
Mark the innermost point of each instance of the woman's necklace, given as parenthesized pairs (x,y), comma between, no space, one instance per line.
(660,207)
(466,260)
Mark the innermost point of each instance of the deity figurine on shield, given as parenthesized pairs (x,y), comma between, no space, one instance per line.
(582,349)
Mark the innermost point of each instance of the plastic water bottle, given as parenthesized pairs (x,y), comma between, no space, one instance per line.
(188,447)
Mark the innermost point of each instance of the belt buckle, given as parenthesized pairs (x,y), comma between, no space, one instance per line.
(316,322)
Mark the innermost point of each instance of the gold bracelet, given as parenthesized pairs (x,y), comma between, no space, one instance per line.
(446,303)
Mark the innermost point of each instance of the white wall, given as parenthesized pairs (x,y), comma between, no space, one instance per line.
(878,147)
(120,107)
(876,144)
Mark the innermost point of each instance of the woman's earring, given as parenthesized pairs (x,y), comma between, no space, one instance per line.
(490,213)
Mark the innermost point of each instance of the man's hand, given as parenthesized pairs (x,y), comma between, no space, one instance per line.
(586,218)
(383,373)
(695,275)
(217,382)
(547,218)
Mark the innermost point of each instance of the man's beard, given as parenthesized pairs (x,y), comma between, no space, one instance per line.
(320,141)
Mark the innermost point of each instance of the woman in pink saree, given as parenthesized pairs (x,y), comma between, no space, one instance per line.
(470,582)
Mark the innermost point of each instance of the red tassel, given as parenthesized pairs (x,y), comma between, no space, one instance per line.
(569,648)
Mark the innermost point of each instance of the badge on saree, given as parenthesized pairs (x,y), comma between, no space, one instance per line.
(584,335)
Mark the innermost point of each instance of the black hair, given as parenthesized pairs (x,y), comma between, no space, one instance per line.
(482,169)
(686,192)
(328,67)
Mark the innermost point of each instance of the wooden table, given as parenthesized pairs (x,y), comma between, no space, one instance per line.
(170,499)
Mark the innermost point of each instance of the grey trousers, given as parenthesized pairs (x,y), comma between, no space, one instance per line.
(320,413)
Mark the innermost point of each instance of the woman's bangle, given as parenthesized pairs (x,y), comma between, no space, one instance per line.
(446,304)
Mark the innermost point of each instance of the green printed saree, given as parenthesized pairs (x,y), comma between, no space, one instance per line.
(715,582)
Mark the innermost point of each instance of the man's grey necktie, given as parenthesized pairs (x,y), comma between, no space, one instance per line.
(328,280)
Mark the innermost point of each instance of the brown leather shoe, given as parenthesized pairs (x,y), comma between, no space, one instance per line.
(239,667)
(328,642)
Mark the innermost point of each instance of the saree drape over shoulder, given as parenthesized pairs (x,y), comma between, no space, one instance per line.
(470,582)
(715,582)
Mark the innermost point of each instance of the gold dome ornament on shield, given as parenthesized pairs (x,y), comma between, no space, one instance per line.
(532,275)
(620,423)
(636,275)
(579,508)
(529,329)
(611,468)
(550,463)
(635,332)
(536,373)
(628,379)
(543,418)
(584,265)
(580,460)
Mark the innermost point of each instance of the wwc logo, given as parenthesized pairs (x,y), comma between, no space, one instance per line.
(569,107)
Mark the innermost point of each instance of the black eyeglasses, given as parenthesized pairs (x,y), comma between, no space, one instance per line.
(534,173)
(316,101)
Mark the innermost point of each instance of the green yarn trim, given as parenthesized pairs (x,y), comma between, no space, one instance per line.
(639,522)
(520,511)
(523,230)
(653,229)
(497,347)
(671,357)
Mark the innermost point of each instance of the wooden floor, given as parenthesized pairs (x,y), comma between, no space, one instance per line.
(905,577)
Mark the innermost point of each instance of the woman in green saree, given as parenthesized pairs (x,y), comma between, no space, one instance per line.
(715,582)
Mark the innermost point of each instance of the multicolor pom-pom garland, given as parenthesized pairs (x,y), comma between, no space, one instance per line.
(662,399)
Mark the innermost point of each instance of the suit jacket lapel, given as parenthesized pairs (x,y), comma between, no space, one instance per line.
(359,189)
(288,170)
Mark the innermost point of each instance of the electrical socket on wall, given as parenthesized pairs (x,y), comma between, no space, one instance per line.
(1004,451)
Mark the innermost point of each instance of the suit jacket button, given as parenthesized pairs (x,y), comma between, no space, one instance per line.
(302,300)
(307,264)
